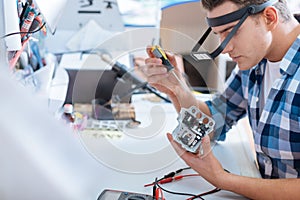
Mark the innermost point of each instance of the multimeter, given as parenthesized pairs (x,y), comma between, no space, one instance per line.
(109,194)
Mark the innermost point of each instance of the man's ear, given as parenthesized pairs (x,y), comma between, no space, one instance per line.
(271,17)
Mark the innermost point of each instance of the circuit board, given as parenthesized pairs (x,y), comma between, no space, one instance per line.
(193,125)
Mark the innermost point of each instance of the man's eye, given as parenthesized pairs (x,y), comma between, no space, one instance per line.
(224,35)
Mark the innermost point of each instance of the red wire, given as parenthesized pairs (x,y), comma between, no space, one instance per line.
(159,194)
(171,179)
(204,193)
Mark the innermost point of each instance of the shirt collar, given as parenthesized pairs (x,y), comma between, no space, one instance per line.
(290,61)
(257,72)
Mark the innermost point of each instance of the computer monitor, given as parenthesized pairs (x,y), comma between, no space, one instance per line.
(86,85)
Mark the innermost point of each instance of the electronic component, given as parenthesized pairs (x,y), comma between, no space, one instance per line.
(193,126)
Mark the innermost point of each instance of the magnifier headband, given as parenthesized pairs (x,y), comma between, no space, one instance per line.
(236,15)
(240,14)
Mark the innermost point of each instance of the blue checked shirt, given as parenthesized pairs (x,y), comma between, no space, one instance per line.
(276,130)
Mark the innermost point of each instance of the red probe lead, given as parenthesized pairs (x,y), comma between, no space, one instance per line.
(171,179)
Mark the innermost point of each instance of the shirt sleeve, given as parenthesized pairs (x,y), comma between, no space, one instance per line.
(230,106)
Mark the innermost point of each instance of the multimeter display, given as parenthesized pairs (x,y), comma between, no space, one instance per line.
(108,194)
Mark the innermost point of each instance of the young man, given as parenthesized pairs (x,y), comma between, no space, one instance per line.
(265,86)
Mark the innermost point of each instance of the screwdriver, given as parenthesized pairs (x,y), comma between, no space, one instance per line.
(159,53)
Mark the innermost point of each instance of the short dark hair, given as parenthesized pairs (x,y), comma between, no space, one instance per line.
(281,5)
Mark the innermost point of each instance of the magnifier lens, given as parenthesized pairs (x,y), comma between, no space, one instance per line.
(201,56)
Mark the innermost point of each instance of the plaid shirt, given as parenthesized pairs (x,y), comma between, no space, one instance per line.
(276,130)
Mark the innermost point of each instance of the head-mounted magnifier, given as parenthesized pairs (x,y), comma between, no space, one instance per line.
(240,15)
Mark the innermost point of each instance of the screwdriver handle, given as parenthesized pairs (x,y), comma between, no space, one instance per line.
(159,53)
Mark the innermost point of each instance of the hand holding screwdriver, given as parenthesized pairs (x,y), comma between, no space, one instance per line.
(165,72)
(159,53)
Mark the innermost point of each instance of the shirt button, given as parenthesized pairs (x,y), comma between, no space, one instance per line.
(267,160)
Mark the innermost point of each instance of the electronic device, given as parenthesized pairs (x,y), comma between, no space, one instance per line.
(86,85)
(193,126)
(108,194)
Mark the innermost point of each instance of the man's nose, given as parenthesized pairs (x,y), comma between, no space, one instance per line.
(228,48)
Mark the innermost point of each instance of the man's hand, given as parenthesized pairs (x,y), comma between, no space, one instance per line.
(158,76)
(203,162)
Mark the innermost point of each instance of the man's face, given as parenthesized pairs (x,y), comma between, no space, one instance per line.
(251,42)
